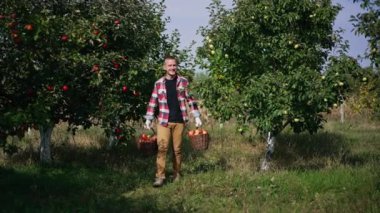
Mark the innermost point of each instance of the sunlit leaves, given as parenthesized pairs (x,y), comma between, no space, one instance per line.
(265,61)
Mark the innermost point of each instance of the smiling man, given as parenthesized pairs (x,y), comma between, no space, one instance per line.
(170,94)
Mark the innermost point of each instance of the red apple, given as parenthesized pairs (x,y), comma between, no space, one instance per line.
(124,89)
(12,24)
(28,27)
(65,88)
(117,22)
(197,132)
(64,38)
(105,45)
(117,131)
(50,87)
(95,68)
(144,137)
(116,65)
(96,32)
(15,34)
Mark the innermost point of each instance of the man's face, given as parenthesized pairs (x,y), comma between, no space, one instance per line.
(170,66)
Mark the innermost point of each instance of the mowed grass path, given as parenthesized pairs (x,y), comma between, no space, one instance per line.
(336,170)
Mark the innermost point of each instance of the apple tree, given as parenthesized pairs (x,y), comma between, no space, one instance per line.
(367,23)
(81,62)
(268,63)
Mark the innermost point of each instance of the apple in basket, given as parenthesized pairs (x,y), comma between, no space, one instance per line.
(146,138)
(143,137)
(197,132)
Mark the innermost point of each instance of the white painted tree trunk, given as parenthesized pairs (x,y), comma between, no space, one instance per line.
(265,163)
(111,142)
(341,110)
(29,132)
(45,134)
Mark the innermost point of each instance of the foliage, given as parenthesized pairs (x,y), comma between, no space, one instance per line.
(365,93)
(367,23)
(81,62)
(268,63)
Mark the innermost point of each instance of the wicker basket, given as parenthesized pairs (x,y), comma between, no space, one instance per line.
(199,140)
(147,145)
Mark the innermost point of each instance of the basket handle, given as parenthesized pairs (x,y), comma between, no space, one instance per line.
(198,128)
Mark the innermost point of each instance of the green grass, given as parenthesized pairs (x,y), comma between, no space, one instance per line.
(336,170)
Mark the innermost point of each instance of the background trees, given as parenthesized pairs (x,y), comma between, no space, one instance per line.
(367,24)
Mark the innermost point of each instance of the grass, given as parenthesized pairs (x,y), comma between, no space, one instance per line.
(335,170)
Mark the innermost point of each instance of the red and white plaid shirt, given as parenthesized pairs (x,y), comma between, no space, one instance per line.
(159,97)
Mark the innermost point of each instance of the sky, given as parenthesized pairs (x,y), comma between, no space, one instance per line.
(188,15)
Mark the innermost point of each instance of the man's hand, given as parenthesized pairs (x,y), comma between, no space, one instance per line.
(148,124)
(198,122)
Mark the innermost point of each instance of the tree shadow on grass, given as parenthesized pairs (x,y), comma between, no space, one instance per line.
(80,179)
(197,163)
(305,151)
(83,179)
(46,189)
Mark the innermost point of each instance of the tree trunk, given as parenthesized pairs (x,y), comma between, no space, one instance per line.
(45,134)
(265,163)
(341,110)
(111,142)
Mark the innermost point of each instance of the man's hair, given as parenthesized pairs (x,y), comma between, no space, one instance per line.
(170,57)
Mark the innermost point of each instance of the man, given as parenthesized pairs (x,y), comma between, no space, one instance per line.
(171,94)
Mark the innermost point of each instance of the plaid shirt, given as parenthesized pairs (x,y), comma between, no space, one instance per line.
(159,97)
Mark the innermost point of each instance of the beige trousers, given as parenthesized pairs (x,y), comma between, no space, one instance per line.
(173,131)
